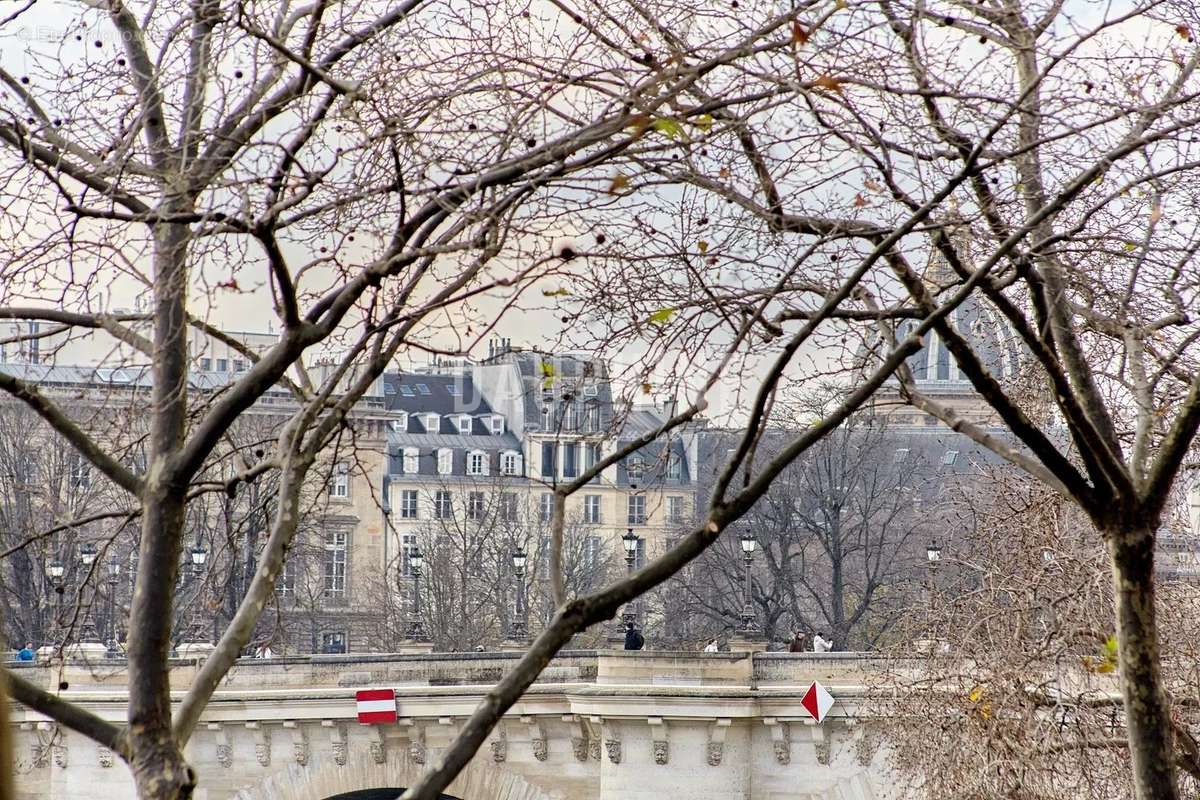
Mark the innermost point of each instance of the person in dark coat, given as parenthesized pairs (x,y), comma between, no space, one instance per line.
(633,639)
(798,643)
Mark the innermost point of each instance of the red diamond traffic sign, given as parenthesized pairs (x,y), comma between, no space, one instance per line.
(817,701)
(376,706)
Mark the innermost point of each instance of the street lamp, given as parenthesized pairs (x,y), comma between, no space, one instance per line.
(933,554)
(55,571)
(87,557)
(630,542)
(416,631)
(114,575)
(749,620)
(198,556)
(519,630)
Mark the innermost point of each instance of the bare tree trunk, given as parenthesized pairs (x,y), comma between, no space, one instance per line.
(159,768)
(1148,715)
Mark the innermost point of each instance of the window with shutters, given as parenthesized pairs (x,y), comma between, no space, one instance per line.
(445,461)
(412,461)
(477,463)
(510,463)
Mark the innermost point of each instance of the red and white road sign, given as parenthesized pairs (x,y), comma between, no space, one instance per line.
(817,701)
(376,706)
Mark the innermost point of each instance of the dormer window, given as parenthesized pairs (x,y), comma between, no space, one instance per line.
(477,463)
(412,459)
(510,463)
(674,467)
(463,423)
(433,422)
(445,461)
(496,424)
(634,465)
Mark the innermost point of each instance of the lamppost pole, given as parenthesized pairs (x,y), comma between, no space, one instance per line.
(87,557)
(749,618)
(630,542)
(199,556)
(416,631)
(55,570)
(114,575)
(520,626)
(933,554)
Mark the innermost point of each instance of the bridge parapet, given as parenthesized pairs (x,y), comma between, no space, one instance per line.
(598,725)
(604,668)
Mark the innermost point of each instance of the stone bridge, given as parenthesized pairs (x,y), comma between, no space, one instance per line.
(596,725)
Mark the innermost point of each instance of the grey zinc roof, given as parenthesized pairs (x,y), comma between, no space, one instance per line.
(566,369)
(440,397)
(397,439)
(130,376)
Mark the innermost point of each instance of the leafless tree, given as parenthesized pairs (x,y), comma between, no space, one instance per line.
(839,535)
(1021,660)
(1051,158)
(365,169)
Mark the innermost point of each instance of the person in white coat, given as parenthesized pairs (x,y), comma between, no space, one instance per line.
(821,644)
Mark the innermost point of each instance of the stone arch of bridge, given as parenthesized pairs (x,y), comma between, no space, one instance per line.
(362,778)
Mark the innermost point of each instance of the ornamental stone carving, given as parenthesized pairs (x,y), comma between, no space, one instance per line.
(60,754)
(262,747)
(300,751)
(822,748)
(377,752)
(416,752)
(340,752)
(499,750)
(783,751)
(579,746)
(594,749)
(613,748)
(225,755)
(106,757)
(716,751)
(661,753)
(541,750)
